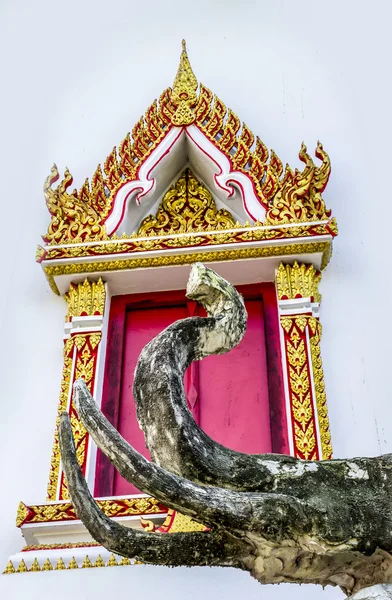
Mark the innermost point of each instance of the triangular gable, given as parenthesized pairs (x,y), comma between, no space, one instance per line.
(187,125)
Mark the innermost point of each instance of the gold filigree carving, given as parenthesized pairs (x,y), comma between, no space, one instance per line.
(63,546)
(301,281)
(184,89)
(80,355)
(64,511)
(288,196)
(9,568)
(85,362)
(80,215)
(87,564)
(235,234)
(99,562)
(187,207)
(21,514)
(73,564)
(39,253)
(302,367)
(112,562)
(80,352)
(22,567)
(187,258)
(47,566)
(87,298)
(298,281)
(319,386)
(298,369)
(35,566)
(175,522)
(75,215)
(60,566)
(62,406)
(297,196)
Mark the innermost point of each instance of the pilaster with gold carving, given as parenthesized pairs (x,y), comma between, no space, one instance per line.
(84,342)
(299,302)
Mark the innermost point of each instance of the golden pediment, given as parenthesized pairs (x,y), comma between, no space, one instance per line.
(286,195)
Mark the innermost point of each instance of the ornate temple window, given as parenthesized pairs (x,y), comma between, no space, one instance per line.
(191,183)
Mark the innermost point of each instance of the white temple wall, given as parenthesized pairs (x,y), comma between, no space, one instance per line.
(75,78)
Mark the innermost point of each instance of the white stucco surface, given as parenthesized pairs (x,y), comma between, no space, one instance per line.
(75,78)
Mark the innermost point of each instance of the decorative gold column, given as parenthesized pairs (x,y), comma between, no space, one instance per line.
(299,301)
(83,334)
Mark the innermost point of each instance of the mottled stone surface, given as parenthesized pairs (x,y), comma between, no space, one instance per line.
(376,592)
(280,518)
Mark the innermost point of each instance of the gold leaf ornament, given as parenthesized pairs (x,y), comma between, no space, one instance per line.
(187,207)
(184,91)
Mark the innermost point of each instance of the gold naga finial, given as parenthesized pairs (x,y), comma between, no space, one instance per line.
(184,90)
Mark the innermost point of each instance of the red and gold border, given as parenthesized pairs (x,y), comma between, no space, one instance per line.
(80,361)
(301,331)
(236,234)
(313,246)
(319,387)
(289,196)
(64,511)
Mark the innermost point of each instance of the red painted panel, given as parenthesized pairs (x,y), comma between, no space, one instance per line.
(141,326)
(250,406)
(230,391)
(234,404)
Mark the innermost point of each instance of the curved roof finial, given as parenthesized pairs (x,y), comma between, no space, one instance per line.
(184,90)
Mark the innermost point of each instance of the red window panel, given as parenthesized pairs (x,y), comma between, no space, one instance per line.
(233,390)
(237,398)
(141,326)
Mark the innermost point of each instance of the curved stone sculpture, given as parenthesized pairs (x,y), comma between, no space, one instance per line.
(278,517)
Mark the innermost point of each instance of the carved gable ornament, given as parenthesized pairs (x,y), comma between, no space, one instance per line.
(187,207)
(187,127)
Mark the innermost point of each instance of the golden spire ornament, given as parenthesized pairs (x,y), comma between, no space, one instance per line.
(184,91)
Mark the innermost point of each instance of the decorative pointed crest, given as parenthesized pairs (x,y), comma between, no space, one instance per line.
(184,91)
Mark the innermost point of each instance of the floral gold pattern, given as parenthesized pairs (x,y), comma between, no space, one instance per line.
(298,197)
(206,235)
(321,398)
(62,406)
(80,358)
(298,281)
(72,215)
(64,511)
(64,546)
(85,361)
(184,91)
(175,522)
(21,514)
(301,368)
(185,258)
(289,196)
(87,298)
(187,207)
(300,391)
